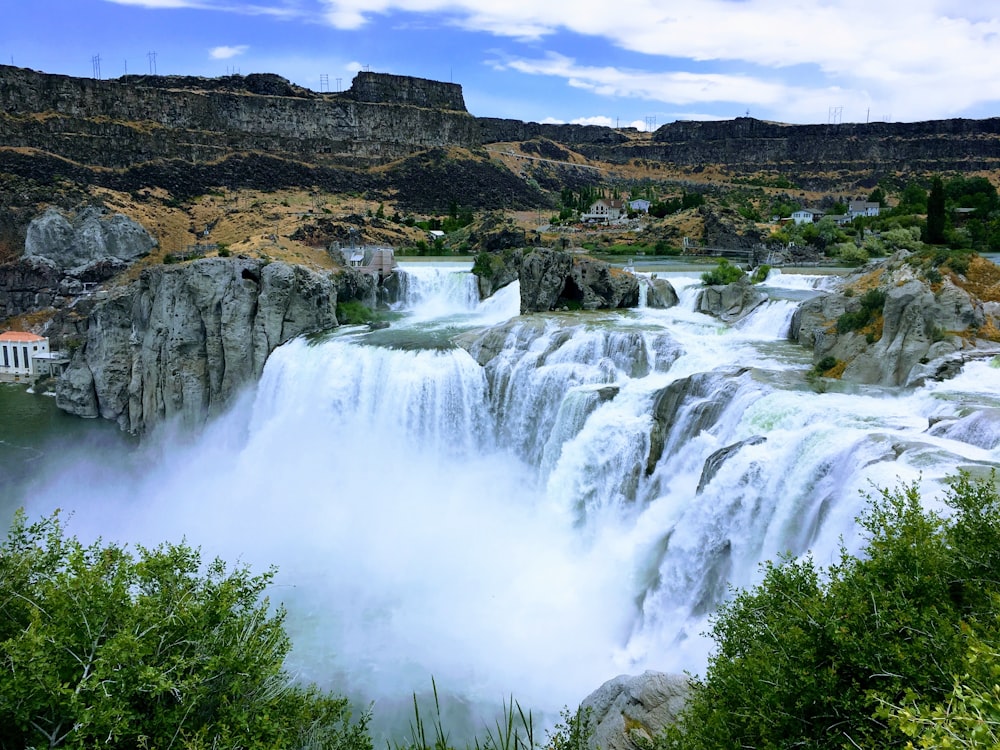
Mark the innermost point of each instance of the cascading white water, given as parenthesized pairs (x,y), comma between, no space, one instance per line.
(503,528)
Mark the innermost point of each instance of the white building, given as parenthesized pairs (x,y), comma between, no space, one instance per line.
(862,208)
(806,216)
(605,210)
(640,204)
(18,351)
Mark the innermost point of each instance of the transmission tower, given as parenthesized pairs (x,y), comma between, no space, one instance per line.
(650,123)
(836,113)
(324,82)
(151,56)
(96,62)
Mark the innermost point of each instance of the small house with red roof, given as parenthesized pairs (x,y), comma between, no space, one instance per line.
(19,352)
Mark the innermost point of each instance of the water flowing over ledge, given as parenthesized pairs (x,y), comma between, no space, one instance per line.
(560,499)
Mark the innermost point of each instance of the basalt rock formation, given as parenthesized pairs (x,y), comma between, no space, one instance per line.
(920,329)
(226,131)
(730,302)
(63,253)
(555,279)
(181,341)
(630,710)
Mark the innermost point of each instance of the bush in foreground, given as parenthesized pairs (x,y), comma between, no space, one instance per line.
(863,655)
(103,648)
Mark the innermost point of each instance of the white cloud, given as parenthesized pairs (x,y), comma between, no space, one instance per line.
(606,122)
(227,52)
(249,9)
(896,53)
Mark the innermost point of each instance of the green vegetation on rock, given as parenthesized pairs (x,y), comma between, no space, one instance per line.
(723,273)
(872,303)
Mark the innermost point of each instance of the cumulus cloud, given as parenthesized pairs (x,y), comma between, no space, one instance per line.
(226,52)
(891,53)
(606,122)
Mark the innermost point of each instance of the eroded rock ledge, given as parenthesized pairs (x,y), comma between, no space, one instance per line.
(917,328)
(181,341)
(553,279)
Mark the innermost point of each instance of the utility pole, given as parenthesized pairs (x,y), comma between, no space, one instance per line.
(151,56)
(324,82)
(96,62)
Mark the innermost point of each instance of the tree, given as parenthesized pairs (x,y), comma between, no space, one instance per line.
(813,660)
(103,648)
(877,196)
(936,217)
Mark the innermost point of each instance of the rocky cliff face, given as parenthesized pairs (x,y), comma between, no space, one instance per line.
(65,252)
(180,342)
(137,119)
(750,145)
(122,122)
(920,329)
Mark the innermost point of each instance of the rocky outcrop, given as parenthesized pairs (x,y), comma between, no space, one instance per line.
(551,279)
(628,711)
(730,302)
(690,405)
(382,88)
(916,331)
(181,341)
(29,284)
(90,236)
(807,152)
(64,255)
(660,293)
(117,123)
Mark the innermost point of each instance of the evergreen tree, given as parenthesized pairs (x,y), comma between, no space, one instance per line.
(936,218)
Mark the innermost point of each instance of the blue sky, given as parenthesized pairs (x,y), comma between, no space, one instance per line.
(609,62)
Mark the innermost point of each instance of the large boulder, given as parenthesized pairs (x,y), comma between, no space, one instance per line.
(553,278)
(730,302)
(179,342)
(628,711)
(660,293)
(91,235)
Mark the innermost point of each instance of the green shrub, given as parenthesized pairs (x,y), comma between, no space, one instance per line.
(872,304)
(825,364)
(723,273)
(760,274)
(353,312)
(813,660)
(105,648)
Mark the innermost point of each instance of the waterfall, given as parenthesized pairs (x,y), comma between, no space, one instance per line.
(563,498)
